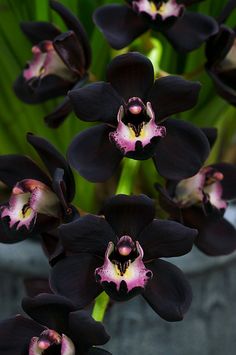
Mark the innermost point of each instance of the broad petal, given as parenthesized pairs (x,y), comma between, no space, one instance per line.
(49,310)
(119,24)
(172,94)
(228,182)
(191,31)
(86,330)
(88,234)
(166,239)
(131,74)
(129,215)
(14,168)
(53,160)
(73,277)
(168,292)
(182,152)
(92,154)
(59,114)
(96,102)
(216,237)
(16,333)
(39,31)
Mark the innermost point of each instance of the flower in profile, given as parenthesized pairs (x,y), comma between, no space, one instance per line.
(60,62)
(132,108)
(120,253)
(185,30)
(200,202)
(39,202)
(221,57)
(55,327)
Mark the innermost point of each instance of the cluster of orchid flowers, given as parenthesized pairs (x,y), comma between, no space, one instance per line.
(119,250)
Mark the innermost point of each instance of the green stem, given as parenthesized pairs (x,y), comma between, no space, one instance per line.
(125,186)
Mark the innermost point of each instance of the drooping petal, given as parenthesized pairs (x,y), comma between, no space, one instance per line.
(73,277)
(182,152)
(119,24)
(191,31)
(92,154)
(96,102)
(55,118)
(131,75)
(14,168)
(53,160)
(129,215)
(226,11)
(166,239)
(39,31)
(172,94)
(88,234)
(168,293)
(228,182)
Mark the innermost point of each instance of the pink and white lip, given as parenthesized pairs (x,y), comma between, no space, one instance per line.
(164,9)
(125,137)
(46,61)
(135,275)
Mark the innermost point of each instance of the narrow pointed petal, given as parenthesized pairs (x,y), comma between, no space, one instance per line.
(182,152)
(131,74)
(59,114)
(92,154)
(88,234)
(96,102)
(119,24)
(166,239)
(227,10)
(129,215)
(172,94)
(73,277)
(190,31)
(39,31)
(53,160)
(168,293)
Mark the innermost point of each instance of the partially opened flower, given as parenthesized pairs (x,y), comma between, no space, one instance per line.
(186,31)
(120,253)
(60,62)
(39,201)
(55,327)
(132,107)
(200,202)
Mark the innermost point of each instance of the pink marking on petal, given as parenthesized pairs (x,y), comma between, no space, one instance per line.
(67,346)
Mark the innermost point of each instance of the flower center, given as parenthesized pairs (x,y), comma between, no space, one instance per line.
(164,9)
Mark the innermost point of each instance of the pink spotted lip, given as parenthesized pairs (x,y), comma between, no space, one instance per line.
(154,8)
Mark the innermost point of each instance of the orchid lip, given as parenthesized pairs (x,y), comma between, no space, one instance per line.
(161,8)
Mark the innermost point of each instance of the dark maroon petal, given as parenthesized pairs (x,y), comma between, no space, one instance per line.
(96,102)
(86,330)
(166,239)
(216,237)
(52,246)
(228,182)
(119,24)
(53,160)
(7,237)
(69,49)
(39,31)
(190,31)
(16,333)
(88,234)
(182,152)
(226,11)
(168,292)
(73,23)
(172,94)
(49,310)
(73,277)
(92,154)
(131,75)
(129,215)
(14,168)
(189,2)
(59,114)
(167,204)
(211,134)
(36,285)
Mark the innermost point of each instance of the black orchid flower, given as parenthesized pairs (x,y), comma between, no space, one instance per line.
(56,327)
(221,57)
(200,202)
(186,31)
(131,106)
(60,62)
(39,202)
(120,253)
